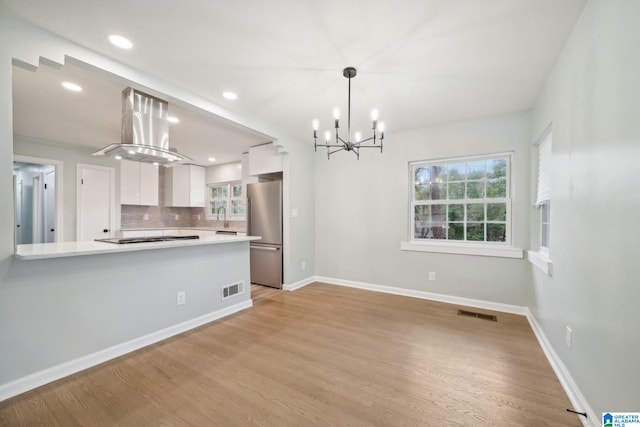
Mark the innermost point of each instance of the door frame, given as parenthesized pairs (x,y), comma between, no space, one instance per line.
(58,166)
(112,202)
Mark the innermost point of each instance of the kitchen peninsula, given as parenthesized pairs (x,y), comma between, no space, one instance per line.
(94,301)
(69,249)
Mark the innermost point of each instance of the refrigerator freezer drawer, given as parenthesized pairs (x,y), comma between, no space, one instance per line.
(266,265)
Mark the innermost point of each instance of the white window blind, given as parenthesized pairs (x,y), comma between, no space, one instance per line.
(544,171)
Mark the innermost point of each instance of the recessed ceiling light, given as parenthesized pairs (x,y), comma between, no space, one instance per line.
(230,95)
(173,119)
(121,42)
(117,157)
(72,86)
(212,159)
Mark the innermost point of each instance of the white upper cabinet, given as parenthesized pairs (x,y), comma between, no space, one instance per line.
(264,159)
(184,186)
(138,183)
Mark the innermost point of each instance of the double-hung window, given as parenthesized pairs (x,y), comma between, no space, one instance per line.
(461,202)
(541,257)
(226,201)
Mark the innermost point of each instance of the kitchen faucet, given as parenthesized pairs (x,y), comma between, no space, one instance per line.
(224,216)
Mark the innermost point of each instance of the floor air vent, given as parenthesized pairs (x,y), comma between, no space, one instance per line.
(478,315)
(233,289)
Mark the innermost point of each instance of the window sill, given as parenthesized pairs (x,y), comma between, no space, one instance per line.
(541,261)
(464,249)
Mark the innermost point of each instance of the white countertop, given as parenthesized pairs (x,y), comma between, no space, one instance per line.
(69,249)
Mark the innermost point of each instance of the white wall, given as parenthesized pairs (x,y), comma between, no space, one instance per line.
(592,99)
(228,172)
(362,213)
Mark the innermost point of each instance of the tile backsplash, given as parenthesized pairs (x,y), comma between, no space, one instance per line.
(133,216)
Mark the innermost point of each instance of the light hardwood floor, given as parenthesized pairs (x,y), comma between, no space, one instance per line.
(322,355)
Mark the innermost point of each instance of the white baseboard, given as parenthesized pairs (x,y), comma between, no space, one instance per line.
(299,284)
(54,373)
(568,384)
(487,305)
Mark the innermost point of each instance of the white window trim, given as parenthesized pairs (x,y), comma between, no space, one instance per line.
(491,249)
(540,259)
(480,249)
(211,215)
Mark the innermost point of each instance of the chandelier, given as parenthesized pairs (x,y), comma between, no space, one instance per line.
(348,144)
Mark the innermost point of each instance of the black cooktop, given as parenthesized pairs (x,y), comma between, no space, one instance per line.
(125,240)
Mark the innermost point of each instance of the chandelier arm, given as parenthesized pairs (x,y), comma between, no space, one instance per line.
(331,145)
(342,140)
(367,146)
(329,153)
(363,141)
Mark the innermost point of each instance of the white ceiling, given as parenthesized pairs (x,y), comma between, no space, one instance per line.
(420,62)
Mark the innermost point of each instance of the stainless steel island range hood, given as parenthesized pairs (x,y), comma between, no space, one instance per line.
(145,131)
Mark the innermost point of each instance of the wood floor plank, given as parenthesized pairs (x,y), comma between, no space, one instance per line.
(323,355)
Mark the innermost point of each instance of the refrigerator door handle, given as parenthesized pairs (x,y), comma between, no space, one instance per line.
(264,248)
(249,215)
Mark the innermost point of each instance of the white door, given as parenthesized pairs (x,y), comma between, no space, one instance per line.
(18,205)
(50,206)
(36,220)
(96,202)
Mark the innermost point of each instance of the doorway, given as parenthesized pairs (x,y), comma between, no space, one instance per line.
(37,200)
(96,202)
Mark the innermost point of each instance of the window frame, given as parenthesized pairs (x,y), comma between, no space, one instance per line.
(229,216)
(541,257)
(484,248)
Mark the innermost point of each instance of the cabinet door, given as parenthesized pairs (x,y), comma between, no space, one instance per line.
(148,184)
(196,186)
(129,182)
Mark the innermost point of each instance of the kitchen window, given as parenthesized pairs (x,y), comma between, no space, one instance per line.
(461,205)
(226,201)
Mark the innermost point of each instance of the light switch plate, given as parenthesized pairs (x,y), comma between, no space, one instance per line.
(294,213)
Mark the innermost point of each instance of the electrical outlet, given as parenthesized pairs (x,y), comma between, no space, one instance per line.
(181,298)
(432,276)
(303,265)
(294,213)
(198,217)
(146,217)
(177,217)
(569,337)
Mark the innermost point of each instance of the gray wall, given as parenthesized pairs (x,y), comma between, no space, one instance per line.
(57,310)
(592,99)
(362,213)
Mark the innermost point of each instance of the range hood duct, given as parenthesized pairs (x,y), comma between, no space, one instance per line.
(145,131)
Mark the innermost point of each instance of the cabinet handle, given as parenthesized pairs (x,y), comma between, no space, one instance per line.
(106,230)
(262,248)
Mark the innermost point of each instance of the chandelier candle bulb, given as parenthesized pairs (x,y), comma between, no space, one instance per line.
(327,136)
(374,114)
(358,136)
(316,124)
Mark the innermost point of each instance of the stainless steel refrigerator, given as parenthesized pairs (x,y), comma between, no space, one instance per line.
(264,218)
